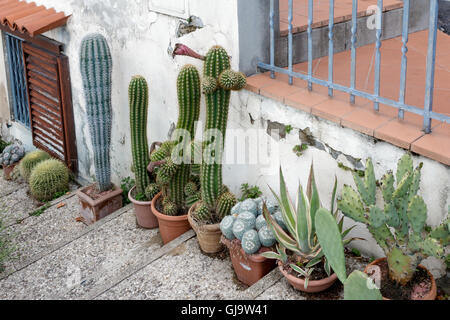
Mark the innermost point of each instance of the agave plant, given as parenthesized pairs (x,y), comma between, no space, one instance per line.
(299,234)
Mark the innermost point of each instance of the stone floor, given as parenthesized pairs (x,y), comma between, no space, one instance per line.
(57,257)
(361,117)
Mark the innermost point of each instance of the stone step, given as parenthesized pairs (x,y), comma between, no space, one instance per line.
(105,248)
(183,273)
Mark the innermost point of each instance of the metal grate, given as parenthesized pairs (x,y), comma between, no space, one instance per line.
(17,79)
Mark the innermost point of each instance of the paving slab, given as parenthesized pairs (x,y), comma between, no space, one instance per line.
(184,273)
(106,251)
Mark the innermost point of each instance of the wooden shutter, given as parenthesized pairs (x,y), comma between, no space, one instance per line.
(50,100)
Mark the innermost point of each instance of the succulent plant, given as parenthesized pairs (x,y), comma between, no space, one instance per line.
(174,170)
(138,100)
(300,237)
(398,227)
(218,81)
(250,241)
(96,73)
(11,154)
(30,160)
(49,177)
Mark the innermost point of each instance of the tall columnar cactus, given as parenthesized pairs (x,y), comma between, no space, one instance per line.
(173,174)
(138,99)
(96,69)
(399,227)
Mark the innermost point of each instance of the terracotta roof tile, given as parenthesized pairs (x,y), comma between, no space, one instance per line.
(30,18)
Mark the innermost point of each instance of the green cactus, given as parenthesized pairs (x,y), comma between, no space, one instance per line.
(49,177)
(152,190)
(96,69)
(30,160)
(202,211)
(138,99)
(218,81)
(173,175)
(226,201)
(404,211)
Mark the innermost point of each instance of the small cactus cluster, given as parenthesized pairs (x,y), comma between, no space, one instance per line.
(49,178)
(30,160)
(138,101)
(400,226)
(218,81)
(247,224)
(173,174)
(96,70)
(11,154)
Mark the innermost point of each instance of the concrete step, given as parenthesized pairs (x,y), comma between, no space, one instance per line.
(392,27)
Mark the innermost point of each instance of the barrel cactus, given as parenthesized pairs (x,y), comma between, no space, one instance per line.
(250,242)
(96,70)
(138,100)
(49,178)
(30,160)
(174,169)
(400,226)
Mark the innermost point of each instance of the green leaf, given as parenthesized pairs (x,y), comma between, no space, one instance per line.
(359,286)
(303,221)
(271,255)
(280,235)
(331,242)
(314,200)
(333,194)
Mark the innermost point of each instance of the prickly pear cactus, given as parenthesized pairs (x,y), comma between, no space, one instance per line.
(404,212)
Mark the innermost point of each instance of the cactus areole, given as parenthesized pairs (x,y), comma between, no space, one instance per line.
(400,226)
(96,69)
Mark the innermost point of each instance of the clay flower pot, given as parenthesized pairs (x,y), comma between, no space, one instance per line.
(144,212)
(7,171)
(170,227)
(313,285)
(248,268)
(431,295)
(208,235)
(106,203)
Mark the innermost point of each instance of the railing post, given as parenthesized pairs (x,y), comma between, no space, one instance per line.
(310,42)
(405,32)
(379,26)
(330,48)
(353,63)
(431,60)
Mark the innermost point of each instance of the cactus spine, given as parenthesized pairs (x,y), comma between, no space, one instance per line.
(96,69)
(30,160)
(138,99)
(218,82)
(404,212)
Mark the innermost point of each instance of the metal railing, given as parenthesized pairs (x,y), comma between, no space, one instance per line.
(426,112)
(19,95)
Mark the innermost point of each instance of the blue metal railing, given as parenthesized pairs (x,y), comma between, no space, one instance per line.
(427,112)
(17,79)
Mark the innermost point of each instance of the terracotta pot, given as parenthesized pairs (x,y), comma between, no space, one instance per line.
(313,285)
(7,171)
(431,295)
(248,268)
(208,235)
(170,227)
(94,210)
(144,212)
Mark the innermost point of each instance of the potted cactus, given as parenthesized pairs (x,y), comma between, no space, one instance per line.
(246,235)
(399,229)
(10,157)
(216,200)
(299,253)
(172,168)
(142,193)
(102,198)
